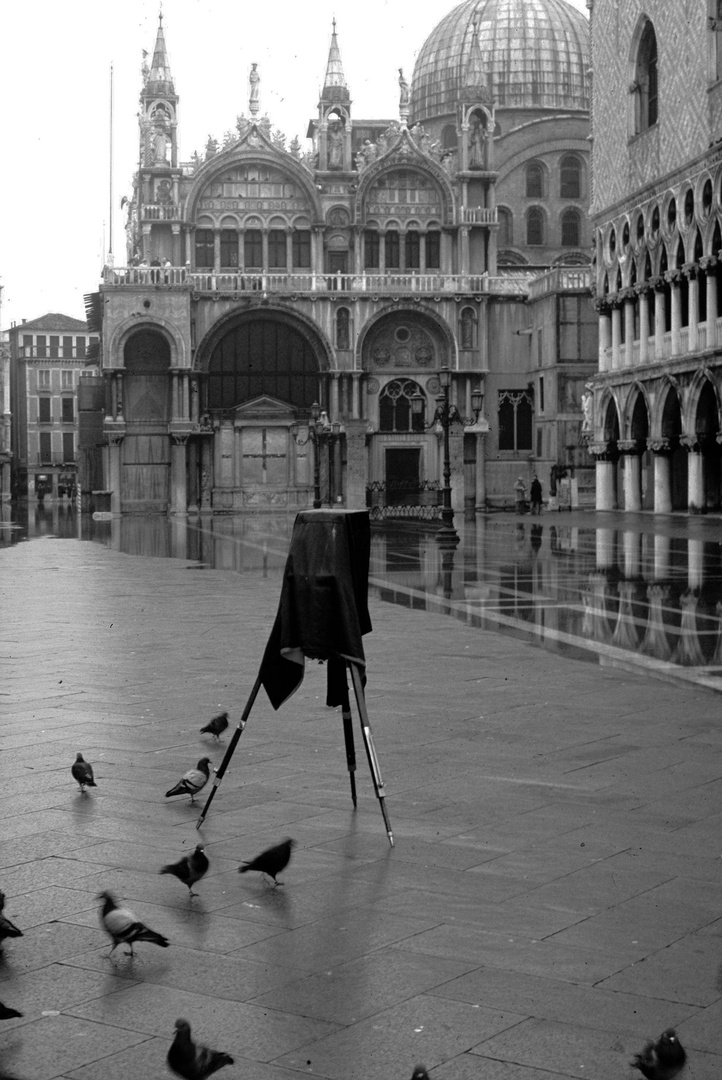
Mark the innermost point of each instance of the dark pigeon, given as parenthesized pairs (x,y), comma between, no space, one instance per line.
(83,772)
(7,928)
(216,726)
(419,1073)
(191,1060)
(189,869)
(661,1060)
(120,924)
(6,1013)
(270,862)
(192,781)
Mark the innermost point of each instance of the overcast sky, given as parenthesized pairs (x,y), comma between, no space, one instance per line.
(55,185)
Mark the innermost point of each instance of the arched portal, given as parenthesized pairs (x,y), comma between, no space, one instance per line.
(671,431)
(639,432)
(707,427)
(264,372)
(145,405)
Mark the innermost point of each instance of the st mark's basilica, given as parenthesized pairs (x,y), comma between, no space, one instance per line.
(288,316)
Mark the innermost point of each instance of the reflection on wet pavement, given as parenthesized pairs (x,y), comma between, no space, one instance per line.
(619,589)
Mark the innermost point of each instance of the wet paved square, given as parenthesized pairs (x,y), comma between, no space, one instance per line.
(552,901)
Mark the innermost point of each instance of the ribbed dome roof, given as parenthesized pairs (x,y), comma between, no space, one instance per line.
(535,53)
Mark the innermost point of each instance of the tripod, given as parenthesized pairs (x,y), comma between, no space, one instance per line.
(348,741)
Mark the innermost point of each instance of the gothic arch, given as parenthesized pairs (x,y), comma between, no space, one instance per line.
(637,418)
(179,356)
(609,411)
(702,386)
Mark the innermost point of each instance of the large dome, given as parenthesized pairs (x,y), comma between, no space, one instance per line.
(535,54)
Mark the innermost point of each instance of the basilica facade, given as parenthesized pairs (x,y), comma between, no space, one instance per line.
(653,417)
(287,318)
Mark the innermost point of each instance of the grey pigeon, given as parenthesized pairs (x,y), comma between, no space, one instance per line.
(189,869)
(191,1060)
(661,1060)
(216,726)
(120,924)
(271,861)
(192,781)
(7,928)
(6,1013)
(83,772)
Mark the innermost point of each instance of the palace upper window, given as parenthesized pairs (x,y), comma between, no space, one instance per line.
(570,177)
(534,181)
(645,80)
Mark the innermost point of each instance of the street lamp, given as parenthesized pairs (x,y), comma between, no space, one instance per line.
(446,414)
(318,431)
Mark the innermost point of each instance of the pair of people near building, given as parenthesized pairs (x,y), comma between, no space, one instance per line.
(535,495)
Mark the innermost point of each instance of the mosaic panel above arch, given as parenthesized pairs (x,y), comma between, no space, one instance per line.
(402,342)
(248,187)
(404,193)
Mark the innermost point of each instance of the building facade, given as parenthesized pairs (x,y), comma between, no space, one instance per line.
(47,356)
(262,280)
(653,411)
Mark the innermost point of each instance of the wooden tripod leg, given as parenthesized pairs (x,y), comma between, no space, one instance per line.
(220,771)
(370,748)
(348,739)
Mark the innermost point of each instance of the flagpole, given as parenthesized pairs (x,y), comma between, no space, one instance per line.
(110,177)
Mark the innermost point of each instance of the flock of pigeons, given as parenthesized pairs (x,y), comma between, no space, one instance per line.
(660,1060)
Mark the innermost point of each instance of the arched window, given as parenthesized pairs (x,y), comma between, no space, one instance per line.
(433,249)
(570,177)
(371,249)
(506,227)
(515,420)
(276,249)
(253,249)
(302,249)
(646,80)
(393,250)
(204,249)
(534,181)
(229,248)
(395,413)
(535,227)
(467,328)
(413,250)
(343,328)
(571,228)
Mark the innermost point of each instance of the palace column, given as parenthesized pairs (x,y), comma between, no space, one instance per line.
(672,276)
(605,334)
(660,306)
(178,490)
(632,474)
(643,297)
(690,272)
(709,264)
(115,441)
(662,451)
(605,455)
(629,301)
(616,335)
(695,473)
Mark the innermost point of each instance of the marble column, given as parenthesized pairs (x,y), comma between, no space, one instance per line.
(672,277)
(178,480)
(629,331)
(693,307)
(643,301)
(710,268)
(660,302)
(696,501)
(605,338)
(480,495)
(115,442)
(632,474)
(616,336)
(606,474)
(662,451)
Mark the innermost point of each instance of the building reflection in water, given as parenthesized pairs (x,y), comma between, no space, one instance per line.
(607,594)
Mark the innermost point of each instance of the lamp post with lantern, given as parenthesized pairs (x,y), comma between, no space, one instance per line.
(447,414)
(318,431)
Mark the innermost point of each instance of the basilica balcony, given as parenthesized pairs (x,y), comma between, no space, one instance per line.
(234,283)
(478,215)
(561,279)
(160,212)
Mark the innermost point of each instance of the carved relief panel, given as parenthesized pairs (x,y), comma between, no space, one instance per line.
(400,342)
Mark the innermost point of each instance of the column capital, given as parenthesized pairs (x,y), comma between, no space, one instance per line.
(691,443)
(630,447)
(604,451)
(659,446)
(708,261)
(672,276)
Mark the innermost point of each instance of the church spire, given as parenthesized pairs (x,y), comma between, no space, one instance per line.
(335,87)
(475,84)
(160,80)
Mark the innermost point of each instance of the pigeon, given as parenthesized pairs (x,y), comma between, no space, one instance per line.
(6,1013)
(190,1060)
(270,862)
(216,726)
(83,772)
(192,781)
(420,1073)
(661,1060)
(7,928)
(122,925)
(189,869)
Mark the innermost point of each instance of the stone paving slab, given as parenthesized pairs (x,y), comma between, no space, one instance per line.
(552,901)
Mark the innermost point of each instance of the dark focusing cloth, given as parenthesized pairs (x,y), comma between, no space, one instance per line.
(323,610)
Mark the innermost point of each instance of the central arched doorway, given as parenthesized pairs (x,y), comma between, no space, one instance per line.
(264,371)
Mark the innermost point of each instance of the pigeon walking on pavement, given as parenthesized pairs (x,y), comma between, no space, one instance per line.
(189,869)
(661,1060)
(82,771)
(6,1013)
(191,1060)
(193,781)
(420,1073)
(7,928)
(271,861)
(121,924)
(216,726)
